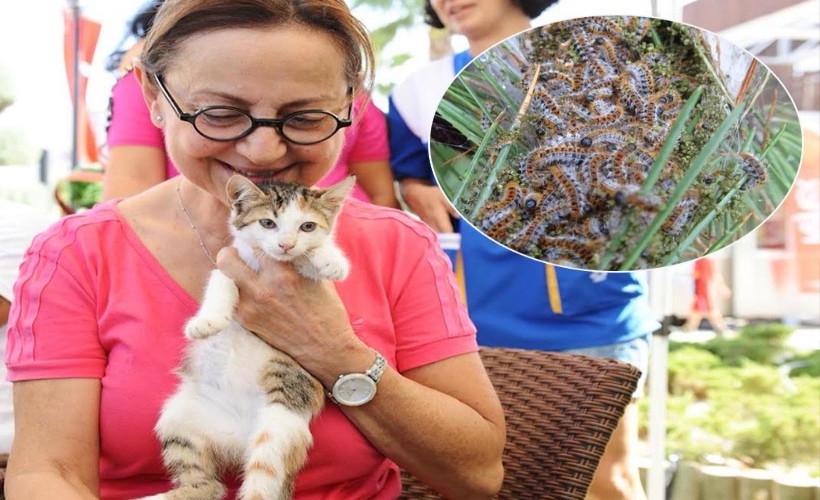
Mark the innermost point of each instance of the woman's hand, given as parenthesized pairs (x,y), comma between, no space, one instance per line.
(429,203)
(303,318)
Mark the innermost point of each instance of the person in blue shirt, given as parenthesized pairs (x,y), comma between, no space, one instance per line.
(513,300)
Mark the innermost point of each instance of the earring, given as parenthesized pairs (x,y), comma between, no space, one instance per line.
(159,118)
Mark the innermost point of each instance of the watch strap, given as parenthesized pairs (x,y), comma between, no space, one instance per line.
(375,373)
(376,370)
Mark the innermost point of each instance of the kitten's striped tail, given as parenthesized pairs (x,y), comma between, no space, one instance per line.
(193,469)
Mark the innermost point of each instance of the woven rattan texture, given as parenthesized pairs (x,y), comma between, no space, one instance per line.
(561,410)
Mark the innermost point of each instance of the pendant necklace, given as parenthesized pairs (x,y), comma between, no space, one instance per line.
(193,227)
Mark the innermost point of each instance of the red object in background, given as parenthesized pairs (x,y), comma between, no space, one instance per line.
(704,273)
(803,211)
(89,33)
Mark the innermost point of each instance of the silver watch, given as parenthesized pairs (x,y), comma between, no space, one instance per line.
(356,389)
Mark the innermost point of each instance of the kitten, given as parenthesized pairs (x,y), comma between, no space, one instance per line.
(242,403)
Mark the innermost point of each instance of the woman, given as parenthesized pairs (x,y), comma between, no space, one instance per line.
(136,158)
(136,148)
(413,102)
(104,295)
(367,156)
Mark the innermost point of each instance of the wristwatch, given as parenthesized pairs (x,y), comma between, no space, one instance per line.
(356,389)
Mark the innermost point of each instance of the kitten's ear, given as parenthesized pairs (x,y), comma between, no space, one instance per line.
(240,189)
(335,195)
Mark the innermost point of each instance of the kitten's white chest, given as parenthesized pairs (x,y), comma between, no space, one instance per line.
(229,363)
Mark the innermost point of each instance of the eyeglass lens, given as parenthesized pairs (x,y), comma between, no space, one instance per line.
(303,127)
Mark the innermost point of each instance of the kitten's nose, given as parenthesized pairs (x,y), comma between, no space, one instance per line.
(286,246)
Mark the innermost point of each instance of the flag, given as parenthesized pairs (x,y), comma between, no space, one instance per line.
(89,32)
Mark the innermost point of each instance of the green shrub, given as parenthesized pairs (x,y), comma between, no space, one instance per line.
(81,194)
(724,403)
(805,365)
(763,343)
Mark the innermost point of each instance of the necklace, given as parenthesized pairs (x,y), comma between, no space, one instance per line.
(193,227)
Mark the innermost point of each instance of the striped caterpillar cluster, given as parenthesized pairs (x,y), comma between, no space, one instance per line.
(600,114)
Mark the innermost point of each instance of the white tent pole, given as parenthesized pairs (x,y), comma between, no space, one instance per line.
(656,477)
(658,364)
(75,94)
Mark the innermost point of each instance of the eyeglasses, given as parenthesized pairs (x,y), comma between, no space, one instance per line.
(227,123)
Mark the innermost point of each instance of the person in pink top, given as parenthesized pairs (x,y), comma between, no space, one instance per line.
(95,330)
(366,154)
(136,158)
(136,148)
(133,138)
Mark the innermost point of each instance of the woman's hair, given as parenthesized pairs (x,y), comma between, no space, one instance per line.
(178,20)
(532,8)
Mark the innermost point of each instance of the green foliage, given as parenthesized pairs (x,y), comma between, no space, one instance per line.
(394,16)
(82,194)
(6,91)
(728,398)
(15,148)
(763,343)
(805,365)
(5,102)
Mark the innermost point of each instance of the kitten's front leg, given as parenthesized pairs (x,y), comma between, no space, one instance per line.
(325,263)
(221,296)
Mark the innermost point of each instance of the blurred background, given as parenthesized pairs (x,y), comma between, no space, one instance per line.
(773,310)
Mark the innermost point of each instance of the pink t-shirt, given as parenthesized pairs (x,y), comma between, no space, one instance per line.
(94,302)
(129,123)
(365,140)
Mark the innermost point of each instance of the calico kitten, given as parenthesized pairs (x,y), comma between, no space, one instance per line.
(242,403)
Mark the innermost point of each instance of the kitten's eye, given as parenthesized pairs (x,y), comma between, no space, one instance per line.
(308,226)
(267,223)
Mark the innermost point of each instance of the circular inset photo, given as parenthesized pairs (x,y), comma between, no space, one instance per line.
(616,143)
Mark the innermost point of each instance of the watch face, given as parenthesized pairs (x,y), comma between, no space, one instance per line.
(354,389)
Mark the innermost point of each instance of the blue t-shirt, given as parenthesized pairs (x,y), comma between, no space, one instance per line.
(516,301)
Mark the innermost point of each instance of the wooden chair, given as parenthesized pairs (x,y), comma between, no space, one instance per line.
(561,410)
(4,460)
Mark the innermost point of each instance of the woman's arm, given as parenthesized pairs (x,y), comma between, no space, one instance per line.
(449,431)
(442,422)
(368,156)
(376,178)
(429,203)
(131,170)
(136,146)
(56,443)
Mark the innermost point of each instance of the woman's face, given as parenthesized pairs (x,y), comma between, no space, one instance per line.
(471,18)
(267,72)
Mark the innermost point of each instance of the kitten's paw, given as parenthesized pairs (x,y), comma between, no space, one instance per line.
(335,270)
(200,327)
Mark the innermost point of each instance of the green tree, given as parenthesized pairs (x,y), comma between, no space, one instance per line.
(6,91)
(395,16)
(15,148)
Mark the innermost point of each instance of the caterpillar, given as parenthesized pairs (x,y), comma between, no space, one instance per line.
(755,171)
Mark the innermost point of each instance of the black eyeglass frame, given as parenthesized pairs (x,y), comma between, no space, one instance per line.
(277,123)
